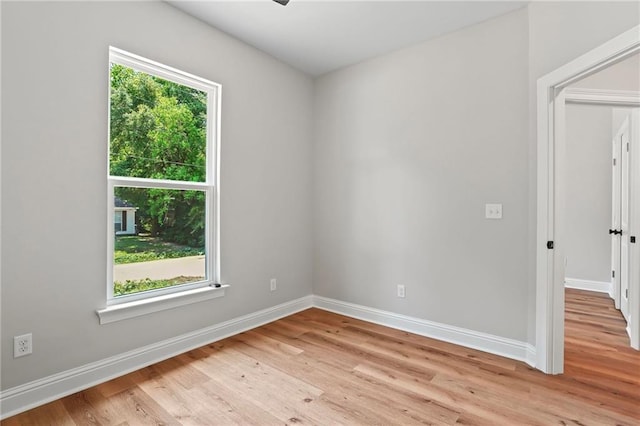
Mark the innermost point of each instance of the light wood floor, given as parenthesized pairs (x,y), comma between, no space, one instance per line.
(320,368)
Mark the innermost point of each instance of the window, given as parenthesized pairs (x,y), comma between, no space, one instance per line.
(162,183)
(117,221)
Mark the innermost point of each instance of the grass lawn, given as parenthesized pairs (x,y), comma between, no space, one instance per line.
(140,248)
(136,286)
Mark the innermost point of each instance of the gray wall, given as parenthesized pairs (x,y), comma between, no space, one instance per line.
(619,115)
(624,75)
(409,147)
(588,203)
(54,146)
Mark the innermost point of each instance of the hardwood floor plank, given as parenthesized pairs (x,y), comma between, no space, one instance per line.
(218,405)
(577,411)
(267,344)
(116,385)
(167,392)
(345,385)
(179,373)
(321,368)
(285,396)
(82,411)
(49,414)
(135,407)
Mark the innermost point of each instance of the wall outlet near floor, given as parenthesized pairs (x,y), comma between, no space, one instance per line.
(273,284)
(400,291)
(22,345)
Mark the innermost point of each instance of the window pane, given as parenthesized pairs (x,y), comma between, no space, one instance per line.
(168,246)
(117,219)
(157,129)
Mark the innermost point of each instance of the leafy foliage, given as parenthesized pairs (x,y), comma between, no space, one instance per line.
(158,131)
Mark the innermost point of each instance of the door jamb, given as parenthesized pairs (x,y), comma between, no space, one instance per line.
(550,215)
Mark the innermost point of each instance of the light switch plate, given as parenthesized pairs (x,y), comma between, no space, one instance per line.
(493,211)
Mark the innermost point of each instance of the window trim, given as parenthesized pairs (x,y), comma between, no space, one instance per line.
(136,308)
(209,186)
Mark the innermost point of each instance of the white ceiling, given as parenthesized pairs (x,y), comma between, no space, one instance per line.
(320,36)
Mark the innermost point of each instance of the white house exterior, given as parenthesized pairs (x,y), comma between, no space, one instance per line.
(124,217)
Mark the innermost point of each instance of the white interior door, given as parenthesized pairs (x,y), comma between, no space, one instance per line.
(624,220)
(633,322)
(620,219)
(615,220)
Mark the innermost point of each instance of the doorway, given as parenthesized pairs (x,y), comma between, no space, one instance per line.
(620,213)
(551,238)
(598,142)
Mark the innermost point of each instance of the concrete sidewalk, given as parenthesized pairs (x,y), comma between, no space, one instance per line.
(191,266)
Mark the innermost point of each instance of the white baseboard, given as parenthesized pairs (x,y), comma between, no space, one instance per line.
(530,357)
(29,395)
(599,286)
(508,348)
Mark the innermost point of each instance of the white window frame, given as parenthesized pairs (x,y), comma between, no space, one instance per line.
(164,298)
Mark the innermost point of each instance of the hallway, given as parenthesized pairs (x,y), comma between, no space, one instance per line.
(597,351)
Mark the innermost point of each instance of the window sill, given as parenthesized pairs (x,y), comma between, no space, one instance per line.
(160,303)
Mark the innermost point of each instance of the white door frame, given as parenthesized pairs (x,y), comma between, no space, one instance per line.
(550,196)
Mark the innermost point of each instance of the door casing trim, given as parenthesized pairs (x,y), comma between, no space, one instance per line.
(550,214)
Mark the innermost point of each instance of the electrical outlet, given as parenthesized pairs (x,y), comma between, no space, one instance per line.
(273,284)
(493,211)
(22,345)
(400,291)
